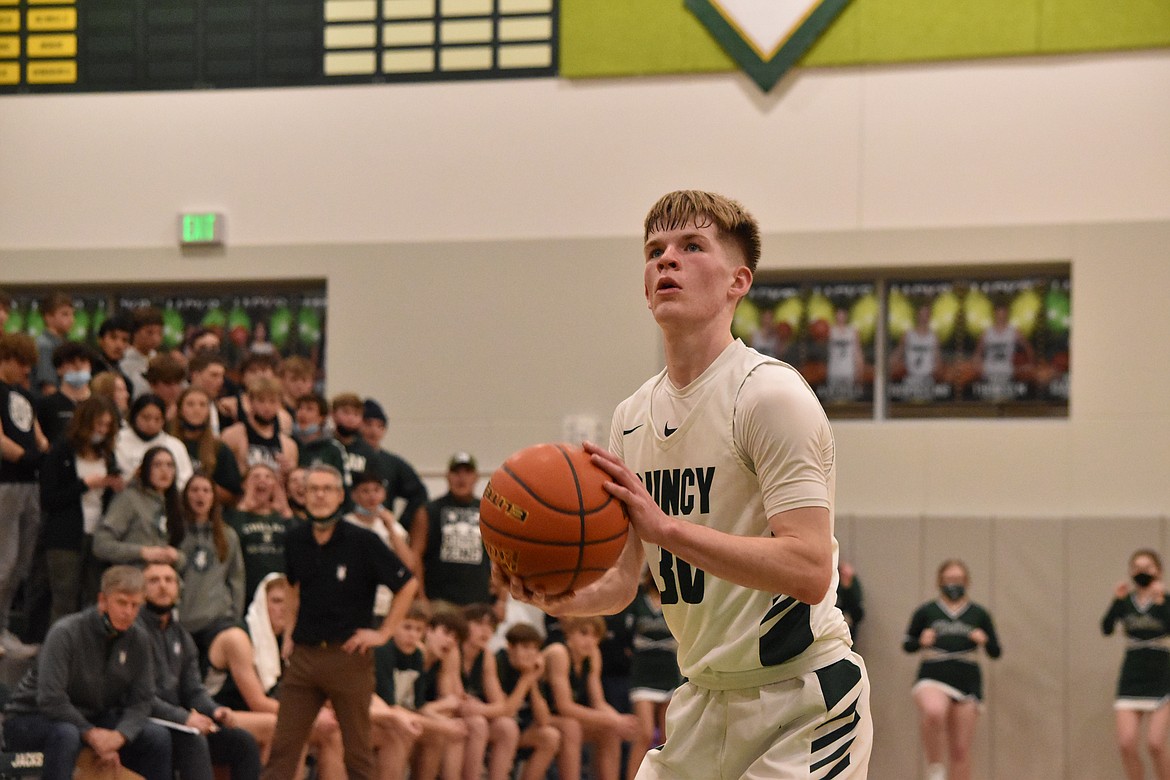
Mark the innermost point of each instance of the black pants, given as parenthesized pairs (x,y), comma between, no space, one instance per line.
(193,754)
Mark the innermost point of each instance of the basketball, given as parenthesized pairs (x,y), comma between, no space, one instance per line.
(546,518)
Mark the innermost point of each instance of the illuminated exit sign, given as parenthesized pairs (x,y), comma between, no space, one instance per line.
(201,229)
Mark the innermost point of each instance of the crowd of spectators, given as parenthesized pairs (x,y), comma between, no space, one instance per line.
(124,453)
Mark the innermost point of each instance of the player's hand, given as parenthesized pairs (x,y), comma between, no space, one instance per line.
(647,518)
(201,722)
(1122,590)
(534,669)
(225,717)
(363,640)
(105,742)
(627,724)
(1158,591)
(286,647)
(927,637)
(404,721)
(845,571)
(978,636)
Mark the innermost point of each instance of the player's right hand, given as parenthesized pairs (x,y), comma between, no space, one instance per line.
(1122,590)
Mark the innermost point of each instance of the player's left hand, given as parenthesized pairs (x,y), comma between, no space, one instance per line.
(978,636)
(519,590)
(648,519)
(363,639)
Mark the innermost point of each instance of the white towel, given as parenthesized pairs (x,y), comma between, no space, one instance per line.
(264,639)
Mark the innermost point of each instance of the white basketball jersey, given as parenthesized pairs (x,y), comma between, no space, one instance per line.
(999,346)
(920,354)
(842,366)
(754,442)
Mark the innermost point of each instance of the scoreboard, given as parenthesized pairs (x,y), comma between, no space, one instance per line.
(122,45)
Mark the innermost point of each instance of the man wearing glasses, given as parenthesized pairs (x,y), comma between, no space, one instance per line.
(334,569)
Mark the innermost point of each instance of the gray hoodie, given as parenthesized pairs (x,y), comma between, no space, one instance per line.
(135,519)
(86,672)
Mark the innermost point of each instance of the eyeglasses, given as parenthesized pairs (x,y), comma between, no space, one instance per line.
(321,488)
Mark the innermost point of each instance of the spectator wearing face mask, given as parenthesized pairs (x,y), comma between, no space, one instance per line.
(368,512)
(73,363)
(315,444)
(948,632)
(58,313)
(143,430)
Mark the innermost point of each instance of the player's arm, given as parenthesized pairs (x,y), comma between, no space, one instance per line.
(236,439)
(797,559)
(556,663)
(419,529)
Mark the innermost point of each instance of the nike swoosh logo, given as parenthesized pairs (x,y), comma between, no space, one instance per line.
(667,430)
(631,430)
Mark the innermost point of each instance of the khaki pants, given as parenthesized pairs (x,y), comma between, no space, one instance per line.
(317,674)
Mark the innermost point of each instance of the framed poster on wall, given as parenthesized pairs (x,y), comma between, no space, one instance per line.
(826,329)
(989,345)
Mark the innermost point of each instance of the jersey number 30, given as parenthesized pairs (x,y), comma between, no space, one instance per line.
(679,579)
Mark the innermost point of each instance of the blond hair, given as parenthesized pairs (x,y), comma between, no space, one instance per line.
(732,221)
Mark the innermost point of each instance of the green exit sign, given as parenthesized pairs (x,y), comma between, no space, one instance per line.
(201,229)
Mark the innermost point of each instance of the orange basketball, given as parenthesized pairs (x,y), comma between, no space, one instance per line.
(546,517)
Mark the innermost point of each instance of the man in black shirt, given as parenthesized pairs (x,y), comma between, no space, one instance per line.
(334,569)
(445,537)
(402,481)
(21,446)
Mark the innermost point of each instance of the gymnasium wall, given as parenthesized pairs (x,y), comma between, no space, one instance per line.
(480,243)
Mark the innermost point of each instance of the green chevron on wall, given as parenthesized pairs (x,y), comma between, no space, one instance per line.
(600,38)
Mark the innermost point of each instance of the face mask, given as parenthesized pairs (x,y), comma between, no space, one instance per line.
(265,421)
(96,438)
(191,426)
(308,430)
(76,379)
(295,505)
(323,522)
(345,431)
(954,592)
(158,609)
(138,432)
(361,510)
(1143,579)
(108,625)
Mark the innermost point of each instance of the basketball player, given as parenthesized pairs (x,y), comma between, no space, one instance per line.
(920,356)
(996,353)
(846,364)
(725,461)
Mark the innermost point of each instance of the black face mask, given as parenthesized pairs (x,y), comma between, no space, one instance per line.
(138,432)
(322,522)
(192,426)
(345,431)
(954,592)
(296,506)
(108,625)
(158,609)
(1143,579)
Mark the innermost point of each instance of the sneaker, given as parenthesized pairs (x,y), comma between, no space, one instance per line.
(936,772)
